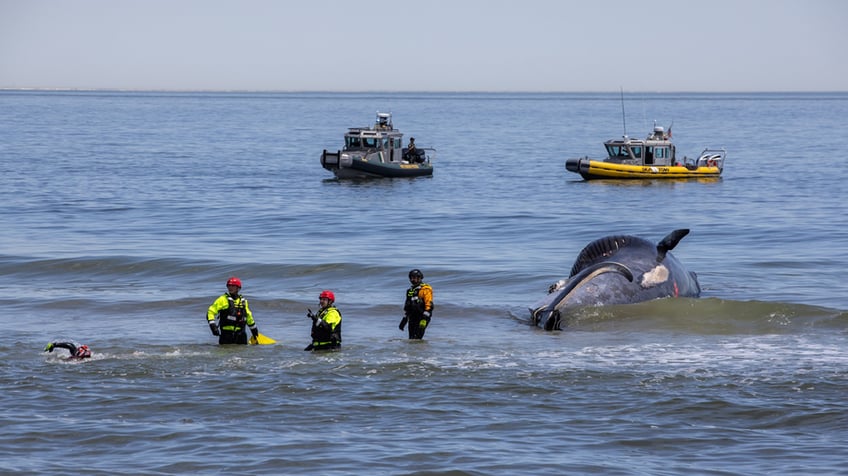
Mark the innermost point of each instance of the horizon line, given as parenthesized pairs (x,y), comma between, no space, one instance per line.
(411,91)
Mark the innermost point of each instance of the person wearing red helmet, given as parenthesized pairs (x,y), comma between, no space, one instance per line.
(78,352)
(229,314)
(418,307)
(327,324)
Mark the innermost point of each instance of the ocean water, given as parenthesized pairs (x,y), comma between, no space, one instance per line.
(125,213)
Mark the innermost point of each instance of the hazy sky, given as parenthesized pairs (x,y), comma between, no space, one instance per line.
(427,45)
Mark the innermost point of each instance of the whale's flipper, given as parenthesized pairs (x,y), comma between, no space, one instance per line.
(669,242)
(549,312)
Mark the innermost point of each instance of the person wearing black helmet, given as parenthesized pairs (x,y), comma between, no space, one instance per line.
(327,324)
(418,307)
(229,314)
(78,352)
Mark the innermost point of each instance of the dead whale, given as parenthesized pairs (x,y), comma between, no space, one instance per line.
(618,269)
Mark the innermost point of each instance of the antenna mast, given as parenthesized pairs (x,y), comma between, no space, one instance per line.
(623,118)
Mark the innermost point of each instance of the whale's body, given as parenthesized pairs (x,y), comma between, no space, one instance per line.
(618,269)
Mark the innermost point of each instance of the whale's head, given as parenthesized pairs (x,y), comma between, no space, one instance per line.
(572,293)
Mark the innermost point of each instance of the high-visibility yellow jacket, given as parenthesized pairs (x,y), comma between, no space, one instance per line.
(232,312)
(327,328)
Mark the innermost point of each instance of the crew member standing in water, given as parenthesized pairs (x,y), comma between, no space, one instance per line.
(232,314)
(78,352)
(326,325)
(418,307)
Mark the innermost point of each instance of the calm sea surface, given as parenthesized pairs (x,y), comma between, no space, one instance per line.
(125,213)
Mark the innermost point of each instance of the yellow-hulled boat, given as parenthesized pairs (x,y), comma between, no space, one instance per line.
(652,158)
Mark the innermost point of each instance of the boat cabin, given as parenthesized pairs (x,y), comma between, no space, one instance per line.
(382,141)
(657,149)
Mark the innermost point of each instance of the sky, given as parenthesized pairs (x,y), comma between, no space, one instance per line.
(427,45)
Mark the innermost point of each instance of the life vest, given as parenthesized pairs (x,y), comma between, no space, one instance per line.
(233,316)
(414,304)
(323,332)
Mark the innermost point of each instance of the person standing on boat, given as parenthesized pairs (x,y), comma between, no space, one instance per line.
(326,325)
(411,153)
(418,307)
(229,314)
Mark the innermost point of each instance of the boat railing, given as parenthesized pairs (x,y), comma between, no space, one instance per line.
(430,153)
(712,158)
(423,155)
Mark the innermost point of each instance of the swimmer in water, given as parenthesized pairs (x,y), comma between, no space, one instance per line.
(77,351)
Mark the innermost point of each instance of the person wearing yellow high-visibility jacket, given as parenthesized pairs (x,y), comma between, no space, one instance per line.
(229,314)
(327,324)
(418,307)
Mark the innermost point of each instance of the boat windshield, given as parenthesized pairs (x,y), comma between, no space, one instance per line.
(618,151)
(352,142)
